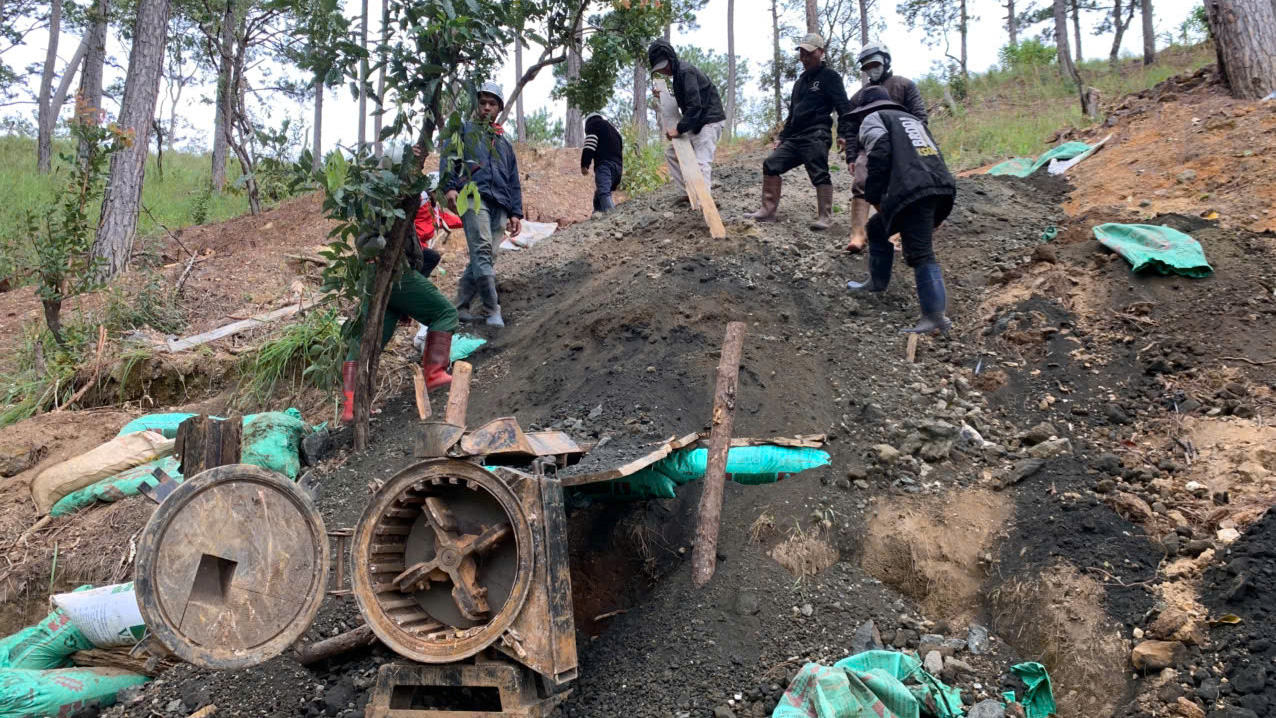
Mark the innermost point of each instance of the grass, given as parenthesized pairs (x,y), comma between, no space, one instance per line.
(306,353)
(1013,114)
(178,198)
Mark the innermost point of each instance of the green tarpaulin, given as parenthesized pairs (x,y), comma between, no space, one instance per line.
(1025,166)
(1038,700)
(1150,246)
(868,685)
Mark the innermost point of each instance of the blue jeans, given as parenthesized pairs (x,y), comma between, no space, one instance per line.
(483,232)
(606,180)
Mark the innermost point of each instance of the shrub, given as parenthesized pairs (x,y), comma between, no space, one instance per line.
(1027,54)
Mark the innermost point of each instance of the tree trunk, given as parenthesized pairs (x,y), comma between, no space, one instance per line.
(1245,34)
(221,117)
(519,118)
(864,22)
(1012,23)
(1076,30)
(44,130)
(118,224)
(385,38)
(731,99)
(363,78)
(640,104)
(318,151)
(573,131)
(49,116)
(1118,31)
(158,128)
(812,16)
(668,32)
(1066,65)
(53,318)
(776,59)
(1149,34)
(94,62)
(965,26)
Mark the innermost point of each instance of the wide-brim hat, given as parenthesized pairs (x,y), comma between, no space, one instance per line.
(875,98)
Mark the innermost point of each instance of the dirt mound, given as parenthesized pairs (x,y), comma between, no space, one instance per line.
(1243,584)
(1184,146)
(936,551)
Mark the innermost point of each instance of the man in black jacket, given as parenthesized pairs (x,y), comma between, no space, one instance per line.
(702,116)
(605,149)
(909,184)
(490,163)
(875,62)
(808,134)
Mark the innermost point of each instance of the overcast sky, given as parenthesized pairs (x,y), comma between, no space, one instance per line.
(911,57)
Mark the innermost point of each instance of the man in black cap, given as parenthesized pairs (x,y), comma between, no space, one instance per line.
(909,184)
(702,116)
(875,62)
(808,134)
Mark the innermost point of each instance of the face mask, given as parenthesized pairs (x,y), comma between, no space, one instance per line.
(875,74)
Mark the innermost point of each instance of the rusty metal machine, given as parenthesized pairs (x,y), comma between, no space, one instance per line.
(458,567)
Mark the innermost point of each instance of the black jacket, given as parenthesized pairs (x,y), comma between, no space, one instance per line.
(602,143)
(490,163)
(816,94)
(902,90)
(904,165)
(697,98)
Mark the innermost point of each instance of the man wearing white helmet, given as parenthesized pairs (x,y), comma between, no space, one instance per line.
(489,163)
(875,62)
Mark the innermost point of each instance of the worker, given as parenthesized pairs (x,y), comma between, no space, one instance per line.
(411,295)
(875,63)
(912,189)
(491,164)
(702,116)
(604,148)
(807,136)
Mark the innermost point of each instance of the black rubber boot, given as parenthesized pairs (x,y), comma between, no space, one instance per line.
(465,291)
(933,298)
(880,259)
(487,291)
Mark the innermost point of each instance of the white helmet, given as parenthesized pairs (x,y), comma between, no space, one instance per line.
(875,51)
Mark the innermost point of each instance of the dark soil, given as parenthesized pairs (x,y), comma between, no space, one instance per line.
(1242,583)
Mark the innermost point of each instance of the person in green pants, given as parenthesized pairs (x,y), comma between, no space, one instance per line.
(412,295)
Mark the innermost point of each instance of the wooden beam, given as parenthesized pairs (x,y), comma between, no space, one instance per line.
(632,467)
(232,329)
(697,188)
(910,352)
(458,398)
(704,557)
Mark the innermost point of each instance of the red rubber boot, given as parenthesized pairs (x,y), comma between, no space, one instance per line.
(435,359)
(348,372)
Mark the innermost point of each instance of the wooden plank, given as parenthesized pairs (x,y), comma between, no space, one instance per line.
(632,467)
(204,443)
(704,557)
(697,189)
(458,398)
(910,353)
(423,409)
(232,329)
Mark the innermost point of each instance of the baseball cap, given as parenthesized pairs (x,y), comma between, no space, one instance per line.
(812,42)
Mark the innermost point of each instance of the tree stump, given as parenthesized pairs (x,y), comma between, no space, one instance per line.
(204,442)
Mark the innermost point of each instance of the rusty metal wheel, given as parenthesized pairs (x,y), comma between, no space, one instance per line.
(442,560)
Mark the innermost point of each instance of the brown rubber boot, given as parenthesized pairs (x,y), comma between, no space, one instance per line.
(435,359)
(859,218)
(824,207)
(771,185)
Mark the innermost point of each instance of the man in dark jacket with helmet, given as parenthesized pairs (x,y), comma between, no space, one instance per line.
(875,62)
(808,134)
(702,116)
(489,163)
(909,184)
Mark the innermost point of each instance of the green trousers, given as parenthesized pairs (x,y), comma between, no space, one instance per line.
(413,295)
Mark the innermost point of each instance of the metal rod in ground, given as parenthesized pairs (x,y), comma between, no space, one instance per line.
(704,557)
(309,653)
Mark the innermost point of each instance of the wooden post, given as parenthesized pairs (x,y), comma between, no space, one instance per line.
(704,557)
(205,443)
(310,653)
(458,397)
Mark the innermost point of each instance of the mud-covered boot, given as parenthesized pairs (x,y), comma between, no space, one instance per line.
(771,186)
(880,259)
(859,219)
(933,298)
(348,371)
(824,208)
(465,291)
(487,291)
(434,362)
